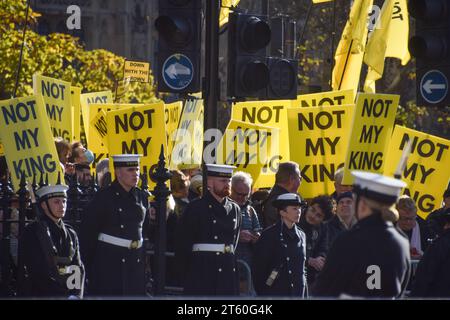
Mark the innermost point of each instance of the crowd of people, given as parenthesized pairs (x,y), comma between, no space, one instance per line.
(230,239)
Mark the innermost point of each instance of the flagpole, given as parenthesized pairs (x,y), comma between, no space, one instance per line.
(333,35)
(345,64)
(302,34)
(19,67)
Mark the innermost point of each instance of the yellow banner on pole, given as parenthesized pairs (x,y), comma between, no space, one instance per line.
(330,98)
(272,114)
(56,95)
(172,115)
(27,139)
(247,146)
(373,121)
(188,139)
(427,170)
(318,139)
(137,130)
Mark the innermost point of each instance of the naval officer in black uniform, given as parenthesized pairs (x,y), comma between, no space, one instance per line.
(50,248)
(280,253)
(371,259)
(112,236)
(207,237)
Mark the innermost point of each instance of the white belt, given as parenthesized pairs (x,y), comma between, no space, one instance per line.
(130,244)
(213,247)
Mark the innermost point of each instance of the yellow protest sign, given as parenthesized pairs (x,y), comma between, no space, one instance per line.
(89,98)
(136,71)
(137,130)
(318,139)
(427,170)
(98,130)
(27,138)
(247,146)
(56,95)
(272,114)
(330,98)
(172,114)
(188,138)
(99,126)
(75,93)
(2,150)
(373,121)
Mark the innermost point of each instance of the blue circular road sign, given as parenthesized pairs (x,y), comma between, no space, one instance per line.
(177,71)
(434,86)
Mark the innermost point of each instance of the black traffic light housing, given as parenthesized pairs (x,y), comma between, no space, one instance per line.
(179,46)
(251,72)
(431,47)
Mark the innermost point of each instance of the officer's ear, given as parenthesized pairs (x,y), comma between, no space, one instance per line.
(43,205)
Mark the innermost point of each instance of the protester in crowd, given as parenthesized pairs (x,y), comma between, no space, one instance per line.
(241,186)
(112,234)
(102,173)
(432,278)
(433,222)
(83,172)
(343,220)
(257,199)
(207,238)
(320,209)
(50,248)
(64,152)
(195,187)
(287,180)
(79,154)
(280,253)
(179,185)
(338,186)
(413,226)
(372,259)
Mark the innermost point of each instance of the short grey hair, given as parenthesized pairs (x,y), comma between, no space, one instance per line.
(243,177)
(406,203)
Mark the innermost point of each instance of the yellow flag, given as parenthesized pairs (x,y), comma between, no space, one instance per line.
(350,51)
(376,47)
(224,11)
(397,43)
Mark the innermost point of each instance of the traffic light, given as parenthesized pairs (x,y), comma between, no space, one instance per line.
(431,47)
(179,45)
(251,73)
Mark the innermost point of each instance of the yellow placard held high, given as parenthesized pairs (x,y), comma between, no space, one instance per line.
(247,146)
(427,170)
(56,95)
(172,114)
(27,138)
(136,71)
(187,140)
(90,98)
(272,114)
(330,98)
(318,139)
(373,121)
(138,130)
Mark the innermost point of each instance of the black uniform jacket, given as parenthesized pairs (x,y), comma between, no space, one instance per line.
(432,278)
(205,220)
(113,270)
(48,248)
(271,255)
(370,260)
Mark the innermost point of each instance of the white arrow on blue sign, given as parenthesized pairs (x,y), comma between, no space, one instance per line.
(178,71)
(434,86)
